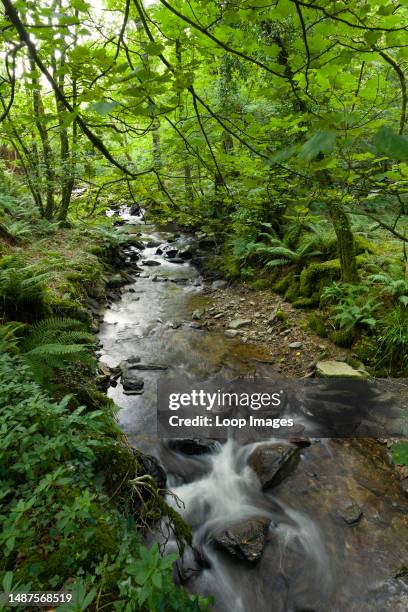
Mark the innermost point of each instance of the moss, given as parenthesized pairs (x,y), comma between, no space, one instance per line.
(260,283)
(317,275)
(315,323)
(362,245)
(281,316)
(342,337)
(292,292)
(353,362)
(67,308)
(76,277)
(282,285)
(307,302)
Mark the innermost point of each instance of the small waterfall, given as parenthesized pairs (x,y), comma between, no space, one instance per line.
(229,492)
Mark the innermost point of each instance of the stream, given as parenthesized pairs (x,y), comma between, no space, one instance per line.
(332,536)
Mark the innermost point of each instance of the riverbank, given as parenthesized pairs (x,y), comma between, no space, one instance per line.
(267,320)
(77,498)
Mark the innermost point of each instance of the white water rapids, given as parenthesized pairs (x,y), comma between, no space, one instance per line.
(230,492)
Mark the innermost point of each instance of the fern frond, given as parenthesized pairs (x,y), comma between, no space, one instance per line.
(277,262)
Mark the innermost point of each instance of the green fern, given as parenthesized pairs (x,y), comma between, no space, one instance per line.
(54,343)
(21,286)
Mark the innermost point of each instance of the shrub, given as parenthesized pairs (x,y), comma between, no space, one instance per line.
(353,306)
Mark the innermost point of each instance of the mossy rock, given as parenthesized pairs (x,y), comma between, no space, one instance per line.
(281,315)
(316,275)
(307,302)
(342,337)
(292,292)
(315,323)
(282,285)
(261,283)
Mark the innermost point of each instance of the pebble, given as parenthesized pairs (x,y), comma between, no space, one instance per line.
(295,345)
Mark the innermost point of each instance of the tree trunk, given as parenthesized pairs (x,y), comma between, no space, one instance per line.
(345,240)
(38,108)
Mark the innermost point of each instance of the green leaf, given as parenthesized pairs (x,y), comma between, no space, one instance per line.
(103,107)
(400,453)
(321,142)
(391,144)
(153,48)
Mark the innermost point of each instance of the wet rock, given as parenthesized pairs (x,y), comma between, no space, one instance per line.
(195,325)
(198,314)
(272,463)
(159,251)
(152,243)
(177,260)
(134,242)
(219,284)
(179,281)
(187,252)
(231,333)
(200,558)
(173,324)
(349,511)
(94,306)
(115,281)
(295,345)
(128,278)
(301,442)
(170,252)
(148,366)
(131,381)
(244,539)
(332,368)
(192,446)
(150,262)
(237,323)
(134,210)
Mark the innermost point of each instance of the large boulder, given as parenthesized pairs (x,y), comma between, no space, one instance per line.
(272,463)
(337,369)
(244,539)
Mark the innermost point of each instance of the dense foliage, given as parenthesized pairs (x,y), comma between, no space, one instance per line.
(59,526)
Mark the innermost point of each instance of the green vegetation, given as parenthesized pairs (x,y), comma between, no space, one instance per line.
(277,131)
(65,510)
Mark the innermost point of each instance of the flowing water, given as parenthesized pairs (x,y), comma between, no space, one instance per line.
(312,559)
